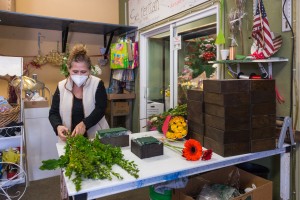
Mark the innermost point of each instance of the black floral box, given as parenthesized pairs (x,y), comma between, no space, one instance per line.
(146,147)
(117,137)
(116,141)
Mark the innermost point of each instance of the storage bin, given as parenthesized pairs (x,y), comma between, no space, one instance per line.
(157,196)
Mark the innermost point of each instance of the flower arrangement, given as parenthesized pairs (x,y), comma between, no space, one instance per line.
(199,52)
(156,122)
(196,66)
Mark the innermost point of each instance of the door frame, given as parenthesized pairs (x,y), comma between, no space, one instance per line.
(144,39)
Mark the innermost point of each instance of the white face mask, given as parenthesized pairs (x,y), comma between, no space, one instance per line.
(79,79)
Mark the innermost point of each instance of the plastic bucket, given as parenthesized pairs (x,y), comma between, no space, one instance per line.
(157,196)
(255,169)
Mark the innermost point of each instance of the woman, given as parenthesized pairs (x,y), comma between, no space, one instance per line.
(79,102)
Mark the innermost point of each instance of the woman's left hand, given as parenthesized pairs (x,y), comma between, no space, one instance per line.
(79,129)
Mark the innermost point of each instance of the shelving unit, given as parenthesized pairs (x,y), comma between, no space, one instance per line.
(14,136)
(65,25)
(238,63)
(115,98)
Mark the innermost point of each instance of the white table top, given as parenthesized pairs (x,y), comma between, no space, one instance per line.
(157,169)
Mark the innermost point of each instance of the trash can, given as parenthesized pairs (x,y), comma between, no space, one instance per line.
(255,169)
(157,196)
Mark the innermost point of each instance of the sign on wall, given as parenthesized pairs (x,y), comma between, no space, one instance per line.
(145,12)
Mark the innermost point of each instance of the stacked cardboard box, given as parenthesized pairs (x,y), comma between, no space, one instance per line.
(195,115)
(263,115)
(233,117)
(239,116)
(227,116)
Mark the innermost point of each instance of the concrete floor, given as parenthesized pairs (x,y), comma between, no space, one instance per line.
(49,189)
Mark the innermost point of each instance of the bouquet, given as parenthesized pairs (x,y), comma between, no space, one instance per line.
(155,122)
(176,128)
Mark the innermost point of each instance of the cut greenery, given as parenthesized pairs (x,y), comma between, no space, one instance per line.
(90,159)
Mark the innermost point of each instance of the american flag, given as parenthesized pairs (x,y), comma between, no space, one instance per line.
(261,31)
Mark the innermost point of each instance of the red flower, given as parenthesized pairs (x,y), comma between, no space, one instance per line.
(192,150)
(207,154)
(208,56)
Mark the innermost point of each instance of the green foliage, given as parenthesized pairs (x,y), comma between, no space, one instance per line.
(64,67)
(90,159)
(199,52)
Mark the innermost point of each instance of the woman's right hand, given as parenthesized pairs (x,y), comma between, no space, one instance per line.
(62,132)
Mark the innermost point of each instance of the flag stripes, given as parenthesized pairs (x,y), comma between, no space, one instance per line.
(261,31)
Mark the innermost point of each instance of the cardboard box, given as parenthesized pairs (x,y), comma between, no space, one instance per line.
(227,99)
(196,136)
(195,111)
(227,111)
(263,189)
(228,123)
(262,145)
(225,150)
(154,108)
(195,95)
(36,104)
(227,137)
(226,86)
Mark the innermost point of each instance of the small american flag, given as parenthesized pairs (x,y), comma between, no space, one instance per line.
(261,31)
(277,42)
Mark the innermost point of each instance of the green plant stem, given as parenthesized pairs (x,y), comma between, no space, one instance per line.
(174,148)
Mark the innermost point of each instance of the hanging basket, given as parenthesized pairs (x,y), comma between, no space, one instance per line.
(9,116)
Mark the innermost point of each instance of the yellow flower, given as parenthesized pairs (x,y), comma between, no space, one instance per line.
(180,128)
(177,128)
(178,135)
(174,127)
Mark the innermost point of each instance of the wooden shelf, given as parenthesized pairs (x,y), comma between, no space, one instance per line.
(65,25)
(260,62)
(120,96)
(270,60)
(52,23)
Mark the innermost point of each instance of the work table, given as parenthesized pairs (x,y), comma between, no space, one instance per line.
(169,166)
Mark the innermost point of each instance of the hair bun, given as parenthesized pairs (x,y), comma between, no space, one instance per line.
(78,49)
(79,54)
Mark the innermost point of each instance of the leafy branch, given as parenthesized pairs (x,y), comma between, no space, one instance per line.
(90,159)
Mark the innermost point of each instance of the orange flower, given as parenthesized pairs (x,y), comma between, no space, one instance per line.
(192,150)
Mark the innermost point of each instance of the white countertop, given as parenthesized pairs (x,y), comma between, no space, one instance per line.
(157,169)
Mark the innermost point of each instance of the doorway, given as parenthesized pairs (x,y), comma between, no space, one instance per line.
(168,71)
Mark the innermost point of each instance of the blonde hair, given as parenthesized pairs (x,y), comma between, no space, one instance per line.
(79,54)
